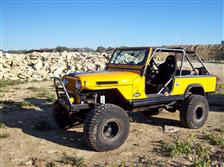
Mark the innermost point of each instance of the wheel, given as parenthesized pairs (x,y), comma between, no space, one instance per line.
(194,111)
(106,127)
(63,119)
(151,112)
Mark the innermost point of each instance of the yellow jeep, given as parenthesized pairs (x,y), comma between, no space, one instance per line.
(135,79)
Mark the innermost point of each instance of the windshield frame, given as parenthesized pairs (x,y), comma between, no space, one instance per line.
(130,49)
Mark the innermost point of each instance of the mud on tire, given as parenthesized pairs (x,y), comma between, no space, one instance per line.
(194,111)
(106,127)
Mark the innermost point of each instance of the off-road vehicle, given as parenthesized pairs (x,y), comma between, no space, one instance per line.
(135,79)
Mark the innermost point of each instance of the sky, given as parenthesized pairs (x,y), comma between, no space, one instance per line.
(38,24)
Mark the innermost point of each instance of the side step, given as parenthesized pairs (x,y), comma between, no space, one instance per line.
(156,100)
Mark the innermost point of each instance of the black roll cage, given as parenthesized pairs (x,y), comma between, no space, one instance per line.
(178,50)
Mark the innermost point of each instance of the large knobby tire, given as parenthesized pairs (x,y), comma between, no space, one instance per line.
(106,127)
(194,111)
(62,117)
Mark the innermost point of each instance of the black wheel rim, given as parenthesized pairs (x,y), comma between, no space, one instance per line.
(111,129)
(198,113)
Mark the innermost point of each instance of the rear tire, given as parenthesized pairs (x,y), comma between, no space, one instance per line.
(106,127)
(194,111)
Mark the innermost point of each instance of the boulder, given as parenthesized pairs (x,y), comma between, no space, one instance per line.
(170,129)
(38,66)
(58,71)
(7,64)
(22,76)
(90,66)
(34,56)
(78,67)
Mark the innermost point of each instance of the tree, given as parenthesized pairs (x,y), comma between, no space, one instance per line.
(100,49)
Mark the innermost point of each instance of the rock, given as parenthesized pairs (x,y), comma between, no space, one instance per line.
(1,67)
(100,64)
(58,71)
(21,76)
(7,56)
(52,151)
(7,64)
(78,67)
(29,162)
(170,129)
(43,141)
(37,77)
(68,57)
(53,68)
(34,56)
(38,66)
(90,66)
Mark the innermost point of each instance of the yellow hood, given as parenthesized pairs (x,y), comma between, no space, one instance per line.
(105,78)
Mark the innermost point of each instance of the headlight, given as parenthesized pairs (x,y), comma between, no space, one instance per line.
(78,85)
(65,82)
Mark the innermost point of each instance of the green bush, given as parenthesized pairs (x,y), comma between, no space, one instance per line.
(180,147)
(215,138)
(199,153)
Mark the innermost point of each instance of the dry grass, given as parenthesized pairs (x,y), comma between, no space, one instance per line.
(220,87)
(34,89)
(5,83)
(73,161)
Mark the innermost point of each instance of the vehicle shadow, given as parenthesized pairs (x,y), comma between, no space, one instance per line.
(154,120)
(34,117)
(216,103)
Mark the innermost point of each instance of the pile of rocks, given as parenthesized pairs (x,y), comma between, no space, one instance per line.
(44,65)
(41,66)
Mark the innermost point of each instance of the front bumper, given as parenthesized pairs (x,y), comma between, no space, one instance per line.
(64,98)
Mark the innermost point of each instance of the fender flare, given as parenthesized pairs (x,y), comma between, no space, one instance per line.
(189,87)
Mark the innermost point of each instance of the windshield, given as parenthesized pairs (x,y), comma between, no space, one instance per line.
(135,57)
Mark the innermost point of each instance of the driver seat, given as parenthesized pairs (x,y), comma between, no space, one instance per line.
(166,71)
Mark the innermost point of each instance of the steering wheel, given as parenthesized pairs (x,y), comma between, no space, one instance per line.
(151,72)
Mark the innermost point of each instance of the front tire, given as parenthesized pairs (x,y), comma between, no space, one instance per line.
(106,127)
(194,111)
(64,119)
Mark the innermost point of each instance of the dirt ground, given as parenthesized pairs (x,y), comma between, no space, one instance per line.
(29,136)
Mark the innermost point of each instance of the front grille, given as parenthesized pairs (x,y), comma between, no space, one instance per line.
(106,82)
